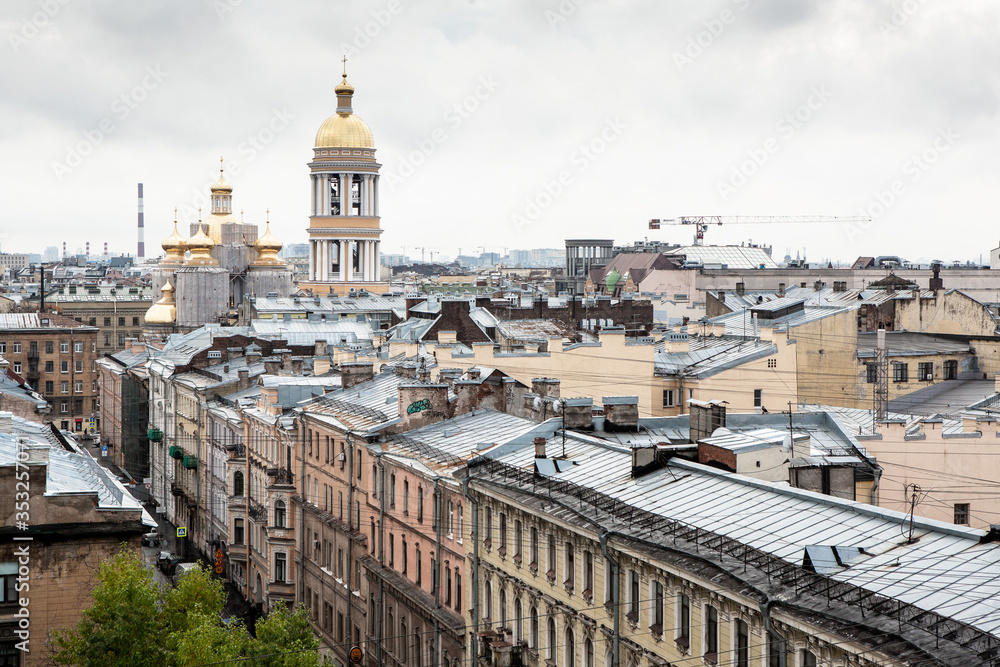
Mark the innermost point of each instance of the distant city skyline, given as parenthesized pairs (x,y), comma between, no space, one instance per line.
(515,125)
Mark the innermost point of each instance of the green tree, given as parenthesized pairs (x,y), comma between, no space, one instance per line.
(208,641)
(285,639)
(122,627)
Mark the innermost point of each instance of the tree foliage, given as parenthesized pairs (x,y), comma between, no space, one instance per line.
(130,624)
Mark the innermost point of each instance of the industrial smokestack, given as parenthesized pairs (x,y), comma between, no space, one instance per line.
(105,251)
(64,250)
(142,245)
(86,252)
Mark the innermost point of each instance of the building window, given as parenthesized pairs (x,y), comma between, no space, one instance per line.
(392,490)
(458,590)
(78,387)
(8,581)
(420,571)
(588,653)
(588,574)
(279,513)
(871,373)
(742,644)
(374,481)
(503,534)
(343,457)
(78,346)
(107,340)
(79,366)
(569,649)
(461,523)
(48,347)
(773,652)
(684,621)
(533,634)
(609,583)
(392,549)
(16,348)
(962,513)
(552,639)
(17,367)
(451,518)
(951,369)
(808,659)
(49,367)
(121,321)
(238,483)
(656,627)
(487,603)
(711,634)
(64,366)
(107,321)
(49,386)
(373,535)
(518,621)
(668,398)
(518,538)
(900,372)
(569,566)
(633,596)
(135,321)
(237,531)
(420,503)
(488,527)
(925,371)
(550,554)
(406,497)
(758,398)
(279,568)
(3,348)
(64,407)
(63,346)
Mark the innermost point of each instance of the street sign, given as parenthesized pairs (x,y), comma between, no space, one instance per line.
(219,554)
(148,486)
(356,655)
(219,569)
(104,450)
(182,531)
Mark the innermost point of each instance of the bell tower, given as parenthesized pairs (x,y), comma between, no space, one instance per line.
(344,232)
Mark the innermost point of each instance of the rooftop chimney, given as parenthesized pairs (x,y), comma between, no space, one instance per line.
(355,372)
(141,249)
(539,448)
(621,413)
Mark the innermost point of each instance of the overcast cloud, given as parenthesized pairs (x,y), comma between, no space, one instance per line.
(512,124)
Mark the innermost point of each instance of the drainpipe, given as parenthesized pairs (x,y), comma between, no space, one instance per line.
(437,570)
(475,569)
(381,558)
(616,607)
(765,612)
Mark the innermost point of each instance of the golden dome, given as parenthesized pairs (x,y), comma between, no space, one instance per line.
(220,185)
(200,245)
(343,129)
(163,311)
(267,246)
(173,246)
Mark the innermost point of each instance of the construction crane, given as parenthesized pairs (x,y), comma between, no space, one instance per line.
(701,222)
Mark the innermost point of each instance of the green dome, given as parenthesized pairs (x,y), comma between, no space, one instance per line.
(612,278)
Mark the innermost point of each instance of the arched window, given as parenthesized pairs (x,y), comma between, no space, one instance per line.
(238,483)
(518,620)
(552,639)
(534,628)
(588,653)
(279,513)
(487,602)
(570,649)
(503,608)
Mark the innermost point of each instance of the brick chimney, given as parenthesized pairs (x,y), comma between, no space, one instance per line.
(320,349)
(621,413)
(545,386)
(244,377)
(355,372)
(539,448)
(272,365)
(579,413)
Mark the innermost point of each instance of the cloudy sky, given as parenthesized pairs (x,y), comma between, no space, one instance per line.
(512,124)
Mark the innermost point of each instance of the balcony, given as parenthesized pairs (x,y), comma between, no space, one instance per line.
(176,452)
(176,489)
(154,434)
(281,589)
(280,476)
(256,510)
(238,552)
(237,450)
(190,462)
